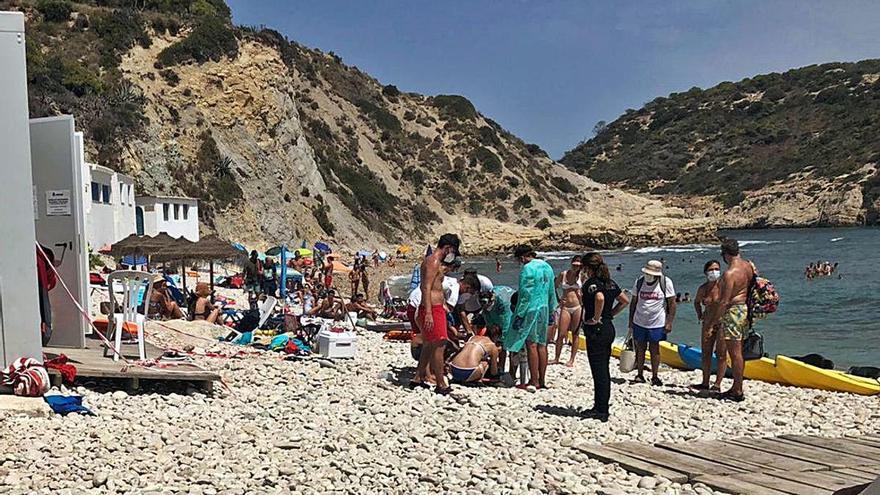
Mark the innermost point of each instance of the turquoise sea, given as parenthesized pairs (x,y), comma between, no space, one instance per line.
(836,317)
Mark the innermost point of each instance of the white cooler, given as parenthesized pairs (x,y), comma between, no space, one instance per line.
(337,344)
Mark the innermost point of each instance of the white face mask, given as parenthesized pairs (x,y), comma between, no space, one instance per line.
(650,278)
(449,258)
(713,275)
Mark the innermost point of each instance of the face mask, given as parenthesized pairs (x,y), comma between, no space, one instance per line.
(650,278)
(713,275)
(449,258)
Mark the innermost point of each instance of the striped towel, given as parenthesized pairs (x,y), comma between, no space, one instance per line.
(27,377)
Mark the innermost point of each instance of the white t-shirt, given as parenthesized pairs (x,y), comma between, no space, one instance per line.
(651,308)
(472,304)
(450,292)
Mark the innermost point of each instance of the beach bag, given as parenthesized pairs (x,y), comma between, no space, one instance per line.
(753,347)
(627,355)
(762,298)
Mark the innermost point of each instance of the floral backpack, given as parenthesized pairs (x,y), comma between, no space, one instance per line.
(762,299)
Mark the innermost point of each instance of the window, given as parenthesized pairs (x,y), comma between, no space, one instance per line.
(176,211)
(186,212)
(165,208)
(105,194)
(96,192)
(122,193)
(131,194)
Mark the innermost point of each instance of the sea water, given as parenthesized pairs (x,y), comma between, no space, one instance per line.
(837,316)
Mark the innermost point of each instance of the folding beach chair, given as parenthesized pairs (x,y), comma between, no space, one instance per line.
(137,286)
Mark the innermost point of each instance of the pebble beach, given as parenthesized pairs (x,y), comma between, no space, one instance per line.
(351,426)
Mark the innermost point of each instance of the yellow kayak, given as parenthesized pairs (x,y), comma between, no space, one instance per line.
(804,375)
(668,355)
(764,370)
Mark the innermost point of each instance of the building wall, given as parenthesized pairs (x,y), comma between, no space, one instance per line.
(175,216)
(110,213)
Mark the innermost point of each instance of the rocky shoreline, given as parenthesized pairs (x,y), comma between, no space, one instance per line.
(352,427)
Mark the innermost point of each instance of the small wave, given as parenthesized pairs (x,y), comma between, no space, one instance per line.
(691,248)
(746,243)
(838,239)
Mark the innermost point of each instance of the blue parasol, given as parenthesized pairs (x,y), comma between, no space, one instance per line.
(324,248)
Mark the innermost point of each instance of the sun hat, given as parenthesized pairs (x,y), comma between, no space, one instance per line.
(157,277)
(654,268)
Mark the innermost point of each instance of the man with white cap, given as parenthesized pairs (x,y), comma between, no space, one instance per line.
(651,314)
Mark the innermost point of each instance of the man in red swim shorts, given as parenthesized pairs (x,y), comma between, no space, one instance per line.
(432,313)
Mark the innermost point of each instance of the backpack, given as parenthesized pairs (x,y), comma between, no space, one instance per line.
(762,298)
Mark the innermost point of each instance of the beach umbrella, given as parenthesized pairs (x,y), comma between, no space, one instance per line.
(274,251)
(283,289)
(304,252)
(239,246)
(383,255)
(403,249)
(132,260)
(293,274)
(364,253)
(323,247)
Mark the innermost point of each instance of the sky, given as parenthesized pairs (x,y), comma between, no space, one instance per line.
(549,70)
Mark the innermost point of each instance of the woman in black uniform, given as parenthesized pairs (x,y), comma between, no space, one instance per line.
(603,300)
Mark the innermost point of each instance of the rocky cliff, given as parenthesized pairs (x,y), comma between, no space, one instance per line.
(793,149)
(281,142)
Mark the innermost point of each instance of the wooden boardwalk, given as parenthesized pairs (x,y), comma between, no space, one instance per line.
(90,362)
(790,464)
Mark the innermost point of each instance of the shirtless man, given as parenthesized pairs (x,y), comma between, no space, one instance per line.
(329,307)
(432,313)
(732,312)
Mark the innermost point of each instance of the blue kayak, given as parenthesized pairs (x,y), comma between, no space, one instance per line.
(693,357)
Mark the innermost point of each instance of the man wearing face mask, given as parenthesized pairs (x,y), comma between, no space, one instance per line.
(732,312)
(536,295)
(651,314)
(706,299)
(432,313)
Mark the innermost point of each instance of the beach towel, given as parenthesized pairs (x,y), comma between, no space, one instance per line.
(66,404)
(60,363)
(27,377)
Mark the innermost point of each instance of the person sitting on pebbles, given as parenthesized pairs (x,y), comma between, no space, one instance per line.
(203,308)
(477,356)
(359,305)
(330,307)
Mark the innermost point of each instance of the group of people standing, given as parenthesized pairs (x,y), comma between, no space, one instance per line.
(582,299)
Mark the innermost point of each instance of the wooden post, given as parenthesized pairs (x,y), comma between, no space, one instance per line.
(183,269)
(211,275)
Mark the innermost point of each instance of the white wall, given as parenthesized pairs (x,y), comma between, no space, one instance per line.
(108,222)
(182,218)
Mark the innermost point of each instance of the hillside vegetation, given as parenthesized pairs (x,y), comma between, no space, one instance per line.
(282,142)
(804,134)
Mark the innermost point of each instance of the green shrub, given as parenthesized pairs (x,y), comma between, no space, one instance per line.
(488,137)
(78,78)
(523,202)
(556,212)
(386,120)
(455,106)
(543,224)
(563,184)
(424,215)
(170,77)
(536,150)
(119,30)
(390,90)
(488,160)
(55,10)
(323,220)
(212,39)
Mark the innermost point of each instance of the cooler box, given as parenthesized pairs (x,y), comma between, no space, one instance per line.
(337,344)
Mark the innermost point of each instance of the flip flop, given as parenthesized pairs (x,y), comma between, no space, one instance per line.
(732,397)
(443,391)
(700,386)
(412,385)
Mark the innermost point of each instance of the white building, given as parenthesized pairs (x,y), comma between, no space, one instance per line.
(177,216)
(109,203)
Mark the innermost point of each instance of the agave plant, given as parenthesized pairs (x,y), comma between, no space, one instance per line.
(126,92)
(223,168)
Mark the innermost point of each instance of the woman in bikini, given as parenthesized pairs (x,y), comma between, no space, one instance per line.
(477,355)
(203,309)
(708,295)
(570,282)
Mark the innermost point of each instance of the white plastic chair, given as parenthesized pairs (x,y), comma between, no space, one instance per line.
(266,310)
(132,283)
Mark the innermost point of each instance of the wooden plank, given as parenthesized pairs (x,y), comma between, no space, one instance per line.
(631,464)
(783,485)
(820,479)
(692,466)
(873,470)
(870,442)
(743,457)
(820,457)
(837,445)
(730,484)
(857,475)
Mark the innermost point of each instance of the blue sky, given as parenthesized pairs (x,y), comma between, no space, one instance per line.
(549,70)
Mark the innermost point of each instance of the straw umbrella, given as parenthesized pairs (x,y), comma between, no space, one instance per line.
(211,249)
